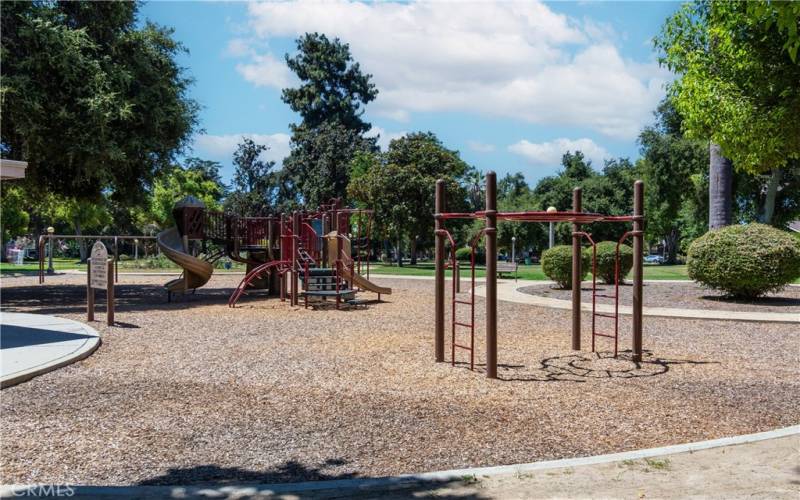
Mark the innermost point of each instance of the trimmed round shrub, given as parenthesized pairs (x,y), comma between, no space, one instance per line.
(606,260)
(557,265)
(745,260)
(464,254)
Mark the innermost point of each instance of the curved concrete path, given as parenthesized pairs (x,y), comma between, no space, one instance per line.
(33,344)
(508,290)
(762,465)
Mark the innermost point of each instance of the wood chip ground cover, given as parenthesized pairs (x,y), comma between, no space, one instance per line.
(194,391)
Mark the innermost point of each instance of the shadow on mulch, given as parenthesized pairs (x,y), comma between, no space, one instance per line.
(66,299)
(578,368)
(293,471)
(760,301)
(71,299)
(289,471)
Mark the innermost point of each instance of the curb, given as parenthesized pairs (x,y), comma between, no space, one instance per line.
(509,292)
(405,480)
(83,352)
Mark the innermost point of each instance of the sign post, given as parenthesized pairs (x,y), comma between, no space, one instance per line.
(100,276)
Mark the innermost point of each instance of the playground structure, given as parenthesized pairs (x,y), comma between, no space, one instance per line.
(491,216)
(327,250)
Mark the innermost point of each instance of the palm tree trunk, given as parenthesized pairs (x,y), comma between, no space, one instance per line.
(720,189)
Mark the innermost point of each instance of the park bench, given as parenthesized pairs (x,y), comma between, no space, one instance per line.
(506,267)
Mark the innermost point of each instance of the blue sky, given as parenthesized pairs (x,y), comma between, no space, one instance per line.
(510,85)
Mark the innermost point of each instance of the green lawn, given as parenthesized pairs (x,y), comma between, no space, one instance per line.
(33,265)
(532,272)
(62,264)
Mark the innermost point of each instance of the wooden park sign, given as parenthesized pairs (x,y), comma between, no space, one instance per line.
(100,276)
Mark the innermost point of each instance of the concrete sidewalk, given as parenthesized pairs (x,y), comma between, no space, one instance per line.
(508,291)
(33,344)
(761,465)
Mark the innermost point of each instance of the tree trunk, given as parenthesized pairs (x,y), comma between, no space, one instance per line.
(671,247)
(387,251)
(414,250)
(772,194)
(720,189)
(399,250)
(81,242)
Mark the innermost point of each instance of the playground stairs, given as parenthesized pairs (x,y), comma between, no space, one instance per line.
(321,285)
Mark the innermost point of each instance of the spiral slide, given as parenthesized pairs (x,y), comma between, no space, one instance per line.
(196,272)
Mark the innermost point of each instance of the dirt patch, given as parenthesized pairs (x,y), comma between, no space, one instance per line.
(687,295)
(193,391)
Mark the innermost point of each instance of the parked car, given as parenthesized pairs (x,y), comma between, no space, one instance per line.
(654,259)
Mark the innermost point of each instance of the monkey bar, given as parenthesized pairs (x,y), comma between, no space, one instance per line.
(576,217)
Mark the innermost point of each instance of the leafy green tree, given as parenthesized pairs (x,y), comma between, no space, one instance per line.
(399,185)
(669,162)
(389,190)
(175,184)
(512,186)
(333,88)
(424,153)
(737,87)
(76,215)
(750,194)
(476,182)
(528,236)
(317,169)
(609,192)
(514,195)
(14,218)
(330,100)
(91,98)
(208,169)
(253,181)
(556,190)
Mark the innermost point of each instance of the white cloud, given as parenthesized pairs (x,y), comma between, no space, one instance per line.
(398,115)
(238,47)
(549,153)
(221,147)
(385,137)
(509,59)
(480,147)
(266,71)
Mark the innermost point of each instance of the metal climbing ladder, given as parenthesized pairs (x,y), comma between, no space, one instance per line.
(455,302)
(615,296)
(595,295)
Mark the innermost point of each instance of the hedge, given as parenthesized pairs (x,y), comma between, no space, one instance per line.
(745,260)
(557,265)
(606,260)
(464,254)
